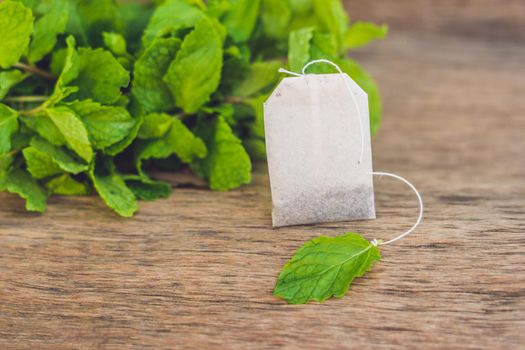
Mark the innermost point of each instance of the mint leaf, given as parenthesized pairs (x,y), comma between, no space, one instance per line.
(62,157)
(106,125)
(196,71)
(227,164)
(16,25)
(72,130)
(20,182)
(101,76)
(178,140)
(47,27)
(240,20)
(299,48)
(148,87)
(115,43)
(39,164)
(332,18)
(362,33)
(8,79)
(65,185)
(275,17)
(112,189)
(169,17)
(155,126)
(69,64)
(325,267)
(261,76)
(147,189)
(8,126)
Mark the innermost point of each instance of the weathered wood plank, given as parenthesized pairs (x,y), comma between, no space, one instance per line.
(197,270)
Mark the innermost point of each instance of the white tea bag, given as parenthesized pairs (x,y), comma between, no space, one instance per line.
(318,149)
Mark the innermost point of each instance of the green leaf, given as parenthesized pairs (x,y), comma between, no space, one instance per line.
(196,71)
(148,87)
(106,125)
(116,43)
(299,48)
(169,17)
(178,140)
(73,131)
(155,126)
(88,19)
(362,33)
(16,25)
(62,157)
(47,27)
(367,83)
(325,267)
(275,17)
(65,185)
(8,79)
(20,182)
(240,20)
(147,189)
(69,64)
(113,190)
(227,164)
(262,75)
(6,160)
(332,18)
(39,164)
(101,76)
(8,126)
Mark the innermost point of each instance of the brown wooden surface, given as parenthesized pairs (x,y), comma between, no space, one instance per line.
(197,270)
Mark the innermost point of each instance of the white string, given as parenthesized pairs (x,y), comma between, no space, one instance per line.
(420,217)
(303,74)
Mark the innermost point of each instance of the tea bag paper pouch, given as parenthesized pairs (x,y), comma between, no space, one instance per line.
(319,153)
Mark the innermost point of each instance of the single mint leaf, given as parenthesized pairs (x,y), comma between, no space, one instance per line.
(116,43)
(61,156)
(147,86)
(67,62)
(362,33)
(16,25)
(155,126)
(101,76)
(39,164)
(106,125)
(8,79)
(275,17)
(332,18)
(196,71)
(171,16)
(299,48)
(241,19)
(113,190)
(20,182)
(325,267)
(8,126)
(65,185)
(73,131)
(262,75)
(227,164)
(178,140)
(147,189)
(52,23)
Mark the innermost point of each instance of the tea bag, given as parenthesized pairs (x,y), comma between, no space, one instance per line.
(318,150)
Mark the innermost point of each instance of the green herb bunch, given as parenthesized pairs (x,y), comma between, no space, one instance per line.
(96,93)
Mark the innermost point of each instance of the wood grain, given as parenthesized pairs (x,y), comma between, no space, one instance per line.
(197,270)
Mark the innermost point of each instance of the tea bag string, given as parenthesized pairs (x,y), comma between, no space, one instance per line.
(354,100)
(420,217)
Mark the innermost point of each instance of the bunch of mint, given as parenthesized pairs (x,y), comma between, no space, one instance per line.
(95,93)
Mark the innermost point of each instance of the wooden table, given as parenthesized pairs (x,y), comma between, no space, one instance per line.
(197,270)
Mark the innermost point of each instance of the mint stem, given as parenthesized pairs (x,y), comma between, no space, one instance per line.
(34,70)
(27,99)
